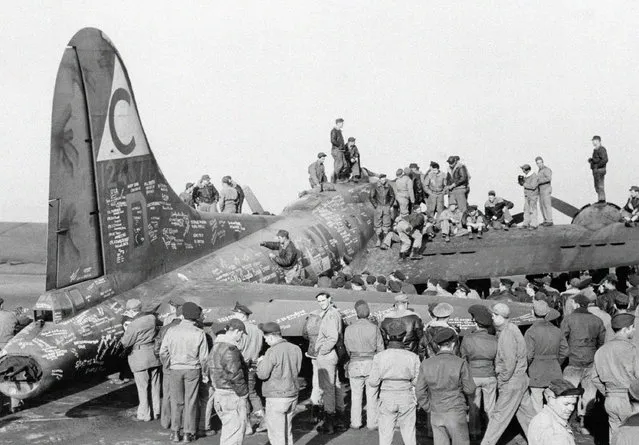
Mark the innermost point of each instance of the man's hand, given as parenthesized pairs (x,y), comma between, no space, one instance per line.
(263,244)
(271,255)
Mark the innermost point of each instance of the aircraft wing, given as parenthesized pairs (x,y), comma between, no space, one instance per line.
(289,305)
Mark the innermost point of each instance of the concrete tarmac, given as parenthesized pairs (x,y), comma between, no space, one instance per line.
(104,413)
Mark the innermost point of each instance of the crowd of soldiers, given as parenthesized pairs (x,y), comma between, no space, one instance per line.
(204,197)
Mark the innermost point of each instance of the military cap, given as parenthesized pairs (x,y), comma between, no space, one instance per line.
(413,165)
(361,309)
(382,176)
(339,120)
(192,311)
(552,315)
(610,277)
(443,310)
(492,193)
(270,328)
(351,139)
(434,165)
(481,314)
(226,180)
(348,285)
(242,309)
(546,279)
(133,304)
(399,172)
(409,289)
(596,138)
(338,280)
(235,324)
(501,309)
(395,286)
(584,283)
(506,281)
(563,388)
(357,279)
(204,177)
(622,299)
(540,308)
(442,283)
(321,154)
(622,320)
(540,296)
(401,298)
(381,279)
(472,208)
(463,287)
(443,335)
(324,282)
(525,167)
(399,275)
(634,188)
(581,300)
(633,389)
(451,159)
(380,287)
(395,328)
(633,280)
(575,282)
(189,184)
(283,233)
(406,170)
(371,279)
(176,301)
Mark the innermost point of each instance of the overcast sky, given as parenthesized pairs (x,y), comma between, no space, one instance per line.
(252,89)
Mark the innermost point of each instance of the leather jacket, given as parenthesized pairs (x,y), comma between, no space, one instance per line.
(414,329)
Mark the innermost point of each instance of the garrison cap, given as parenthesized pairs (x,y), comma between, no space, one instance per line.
(189,184)
(413,165)
(399,275)
(492,193)
(381,279)
(623,320)
(371,279)
(501,309)
(463,287)
(451,159)
(235,324)
(270,328)
(481,314)
(434,164)
(443,310)
(242,309)
(351,139)
(395,328)
(540,308)
(321,154)
(133,304)
(472,208)
(443,335)
(357,279)
(622,299)
(380,287)
(563,388)
(401,298)
(506,281)
(348,285)
(226,180)
(176,301)
(395,286)
(546,279)
(525,167)
(361,309)
(399,172)
(283,233)
(552,315)
(596,137)
(192,311)
(338,120)
(585,283)
(581,300)
(634,188)
(366,272)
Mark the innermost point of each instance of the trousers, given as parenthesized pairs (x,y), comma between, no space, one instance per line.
(434,204)
(358,387)
(232,411)
(449,428)
(185,384)
(145,380)
(316,391)
(459,195)
(413,239)
(404,205)
(206,207)
(339,164)
(397,408)
(545,202)
(581,375)
(279,419)
(598,176)
(619,408)
(328,380)
(382,219)
(449,228)
(514,400)
(253,396)
(486,392)
(205,412)
(530,210)
(165,417)
(537,398)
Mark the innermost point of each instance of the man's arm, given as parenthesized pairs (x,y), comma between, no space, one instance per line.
(509,360)
(232,365)
(421,390)
(601,336)
(374,378)
(596,380)
(391,193)
(530,345)
(265,366)
(164,350)
(564,350)
(313,174)
(203,353)
(331,327)
(127,339)
(411,190)
(468,384)
(287,257)
(372,196)
(273,245)
(380,341)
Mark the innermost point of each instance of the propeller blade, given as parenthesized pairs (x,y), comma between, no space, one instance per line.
(564,207)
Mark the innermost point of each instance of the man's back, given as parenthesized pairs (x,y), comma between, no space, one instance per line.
(363,339)
(585,333)
(617,364)
(184,346)
(8,324)
(394,369)
(251,344)
(480,348)
(448,378)
(511,359)
(279,369)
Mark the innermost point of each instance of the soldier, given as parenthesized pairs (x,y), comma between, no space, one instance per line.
(443,384)
(544,179)
(435,182)
(450,221)
(512,381)
(504,292)
(463,291)
(139,339)
(185,351)
(394,373)
(205,195)
(474,221)
(497,212)
(405,194)
(598,163)
(616,367)
(382,198)
(441,314)
(550,425)
(418,186)
(328,336)
(229,375)
(585,334)
(413,325)
(630,212)
(228,196)
(458,183)
(362,340)
(240,194)
(629,429)
(608,291)
(187,194)
(572,289)
(309,332)
(530,184)
(287,256)
(479,348)
(9,326)
(352,152)
(442,286)
(338,151)
(409,230)
(172,319)
(279,368)
(250,346)
(316,171)
(547,349)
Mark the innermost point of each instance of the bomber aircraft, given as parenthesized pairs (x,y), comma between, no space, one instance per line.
(117,230)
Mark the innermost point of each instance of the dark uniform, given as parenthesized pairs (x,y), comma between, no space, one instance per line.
(206,197)
(338,151)
(240,197)
(317,174)
(382,198)
(598,164)
(413,328)
(287,256)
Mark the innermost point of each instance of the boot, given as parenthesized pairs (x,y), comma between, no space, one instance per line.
(479,235)
(471,235)
(327,426)
(341,422)
(316,415)
(415,254)
(379,240)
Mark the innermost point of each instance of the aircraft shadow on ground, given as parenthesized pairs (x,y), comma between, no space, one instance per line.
(115,402)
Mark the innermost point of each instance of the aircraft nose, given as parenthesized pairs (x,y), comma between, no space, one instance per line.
(21,376)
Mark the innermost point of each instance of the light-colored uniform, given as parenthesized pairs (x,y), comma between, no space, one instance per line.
(405,194)
(434,184)
(330,329)
(544,178)
(531,196)
(547,428)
